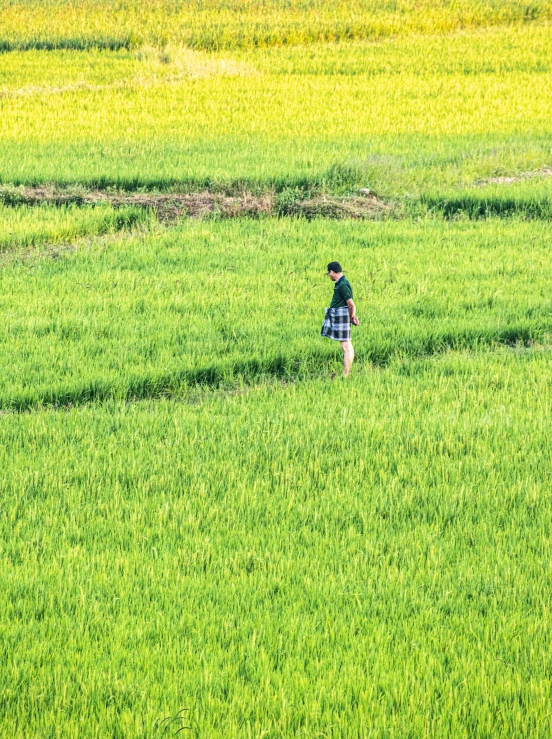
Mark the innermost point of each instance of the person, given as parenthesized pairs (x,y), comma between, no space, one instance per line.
(341,313)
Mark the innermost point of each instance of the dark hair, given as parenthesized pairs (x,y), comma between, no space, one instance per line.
(334,267)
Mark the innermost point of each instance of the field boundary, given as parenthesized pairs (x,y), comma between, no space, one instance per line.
(480,207)
(170,207)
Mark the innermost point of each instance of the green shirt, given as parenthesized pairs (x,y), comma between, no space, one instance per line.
(342,293)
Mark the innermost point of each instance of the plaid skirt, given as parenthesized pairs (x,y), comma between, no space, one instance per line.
(337,324)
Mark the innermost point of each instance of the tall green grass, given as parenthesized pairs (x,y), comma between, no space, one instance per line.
(22,227)
(528,199)
(353,559)
(201,533)
(220,303)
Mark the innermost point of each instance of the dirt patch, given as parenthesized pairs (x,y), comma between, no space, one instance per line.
(367,207)
(170,207)
(546,172)
(167,206)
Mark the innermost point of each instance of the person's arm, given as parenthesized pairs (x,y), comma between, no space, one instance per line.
(352,312)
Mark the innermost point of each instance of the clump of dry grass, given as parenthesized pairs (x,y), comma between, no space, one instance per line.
(180,61)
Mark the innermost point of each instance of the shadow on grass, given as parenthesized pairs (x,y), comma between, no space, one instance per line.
(496,206)
(71,43)
(318,363)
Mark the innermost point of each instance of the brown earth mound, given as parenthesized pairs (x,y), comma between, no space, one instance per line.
(170,207)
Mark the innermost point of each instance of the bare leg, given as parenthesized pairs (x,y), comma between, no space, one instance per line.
(348,356)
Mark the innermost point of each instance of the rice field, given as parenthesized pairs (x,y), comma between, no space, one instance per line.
(204,529)
(363,560)
(405,116)
(116,319)
(21,228)
(221,24)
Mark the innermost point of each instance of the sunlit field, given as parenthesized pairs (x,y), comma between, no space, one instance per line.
(402,116)
(204,529)
(115,319)
(218,24)
(21,228)
(360,560)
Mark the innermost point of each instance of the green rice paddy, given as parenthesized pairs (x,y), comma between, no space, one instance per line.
(225,303)
(361,559)
(204,530)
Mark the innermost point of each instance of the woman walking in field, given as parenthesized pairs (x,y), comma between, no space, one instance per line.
(340,315)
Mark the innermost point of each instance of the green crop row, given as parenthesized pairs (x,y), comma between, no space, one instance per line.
(360,559)
(223,303)
(22,227)
(218,24)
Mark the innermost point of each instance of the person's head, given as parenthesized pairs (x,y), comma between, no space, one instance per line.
(334,271)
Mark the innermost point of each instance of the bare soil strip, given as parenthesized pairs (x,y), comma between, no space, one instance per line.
(170,207)
(546,172)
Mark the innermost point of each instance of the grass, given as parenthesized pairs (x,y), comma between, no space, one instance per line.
(23,227)
(225,303)
(201,533)
(360,561)
(405,118)
(527,201)
(215,25)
